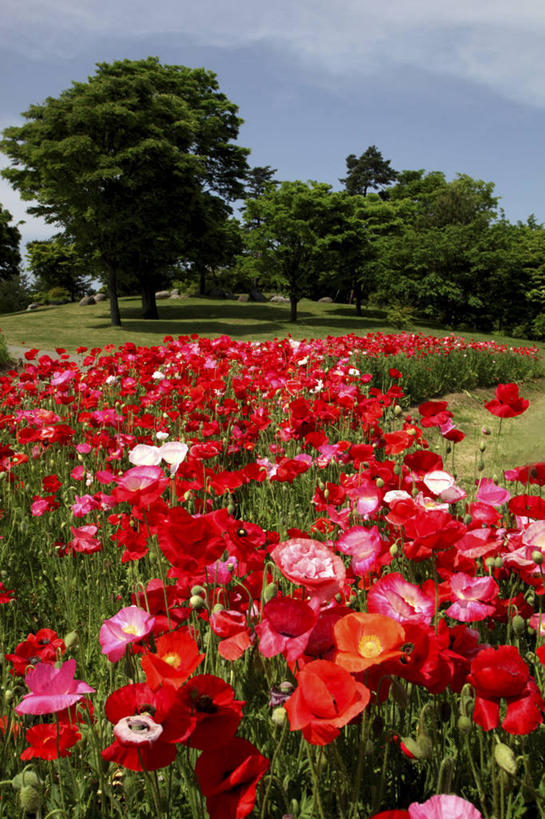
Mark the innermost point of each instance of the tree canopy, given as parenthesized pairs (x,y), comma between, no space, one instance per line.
(122,162)
(368,172)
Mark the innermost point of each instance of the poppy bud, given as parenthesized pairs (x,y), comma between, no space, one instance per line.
(217,608)
(467,519)
(30,799)
(196,602)
(482,446)
(505,758)
(480,465)
(464,725)
(271,590)
(394,549)
(537,557)
(380,483)
(397,410)
(230,507)
(444,780)
(498,562)
(420,748)
(399,693)
(397,469)
(200,590)
(519,624)
(279,715)
(71,639)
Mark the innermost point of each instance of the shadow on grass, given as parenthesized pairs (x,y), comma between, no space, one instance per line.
(242,319)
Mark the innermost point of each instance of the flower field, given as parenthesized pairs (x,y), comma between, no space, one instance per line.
(237,581)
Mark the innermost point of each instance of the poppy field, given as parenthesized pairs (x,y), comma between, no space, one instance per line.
(236,580)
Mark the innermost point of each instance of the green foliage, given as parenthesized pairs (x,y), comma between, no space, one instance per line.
(14,294)
(370,171)
(57,263)
(10,237)
(400,316)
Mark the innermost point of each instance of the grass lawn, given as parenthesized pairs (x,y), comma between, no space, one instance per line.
(71,326)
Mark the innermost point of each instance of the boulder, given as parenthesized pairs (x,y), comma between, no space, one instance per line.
(162,294)
(325,300)
(277,299)
(87,300)
(100,297)
(33,306)
(175,292)
(243,297)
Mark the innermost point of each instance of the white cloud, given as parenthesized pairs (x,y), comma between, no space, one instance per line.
(498,43)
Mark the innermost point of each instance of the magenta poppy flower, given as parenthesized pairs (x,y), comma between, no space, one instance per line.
(444,806)
(312,565)
(52,689)
(286,627)
(489,492)
(129,625)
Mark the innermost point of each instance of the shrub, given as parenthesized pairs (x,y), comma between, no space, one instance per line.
(400,316)
(14,294)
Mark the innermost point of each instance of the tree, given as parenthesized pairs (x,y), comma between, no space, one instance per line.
(122,161)
(57,263)
(258,180)
(368,172)
(10,238)
(291,233)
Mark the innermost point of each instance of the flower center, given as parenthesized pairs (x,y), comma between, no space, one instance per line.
(172,659)
(135,730)
(370,646)
(130,629)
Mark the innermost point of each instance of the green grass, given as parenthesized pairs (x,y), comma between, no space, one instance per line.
(71,326)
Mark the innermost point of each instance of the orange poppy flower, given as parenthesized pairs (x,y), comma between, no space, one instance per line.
(365,639)
(176,659)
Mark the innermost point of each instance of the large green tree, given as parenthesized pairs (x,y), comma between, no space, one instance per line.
(122,161)
(296,233)
(10,238)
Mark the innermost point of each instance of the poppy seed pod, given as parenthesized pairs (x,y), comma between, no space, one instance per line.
(505,758)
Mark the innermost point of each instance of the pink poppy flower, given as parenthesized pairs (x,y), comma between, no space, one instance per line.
(52,689)
(312,565)
(471,595)
(129,625)
(444,806)
(144,455)
(489,492)
(286,627)
(396,597)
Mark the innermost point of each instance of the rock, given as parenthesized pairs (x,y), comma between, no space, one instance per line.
(257,295)
(175,296)
(100,297)
(162,294)
(87,300)
(175,292)
(243,297)
(277,299)
(325,300)
(33,306)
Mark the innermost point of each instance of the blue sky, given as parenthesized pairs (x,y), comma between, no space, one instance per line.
(435,84)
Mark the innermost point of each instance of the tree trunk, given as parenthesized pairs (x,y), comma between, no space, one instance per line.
(293,308)
(115,316)
(149,305)
(357,296)
(202,281)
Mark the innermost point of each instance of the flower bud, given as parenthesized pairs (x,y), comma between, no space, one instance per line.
(200,590)
(279,715)
(379,483)
(217,608)
(397,410)
(444,780)
(537,557)
(394,549)
(480,465)
(498,562)
(464,725)
(467,519)
(397,469)
(271,590)
(482,446)
(71,639)
(30,799)
(196,602)
(505,758)
(519,624)
(399,693)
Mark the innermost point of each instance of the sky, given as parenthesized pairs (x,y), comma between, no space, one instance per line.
(450,85)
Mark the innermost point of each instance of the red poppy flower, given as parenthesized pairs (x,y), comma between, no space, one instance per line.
(501,673)
(228,778)
(507,403)
(218,714)
(43,647)
(285,627)
(146,725)
(176,658)
(50,741)
(232,627)
(140,486)
(326,698)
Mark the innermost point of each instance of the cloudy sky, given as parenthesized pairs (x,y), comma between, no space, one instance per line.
(435,84)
